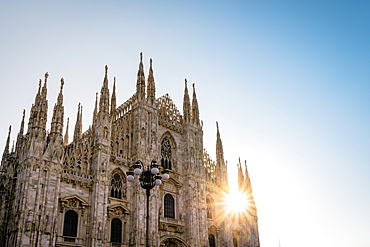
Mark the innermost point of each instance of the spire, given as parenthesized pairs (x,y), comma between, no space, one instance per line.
(43,104)
(44,88)
(66,134)
(140,83)
(186,103)
(95,114)
(33,112)
(39,90)
(219,147)
(240,176)
(60,96)
(20,134)
(104,94)
(195,108)
(58,113)
(38,94)
(21,129)
(151,85)
(247,181)
(8,140)
(247,188)
(38,114)
(6,149)
(78,127)
(220,162)
(113,100)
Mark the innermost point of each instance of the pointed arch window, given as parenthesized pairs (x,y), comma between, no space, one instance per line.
(118,188)
(70,224)
(169,206)
(212,240)
(166,153)
(210,207)
(116,231)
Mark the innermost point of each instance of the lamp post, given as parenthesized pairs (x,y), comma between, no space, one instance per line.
(148,179)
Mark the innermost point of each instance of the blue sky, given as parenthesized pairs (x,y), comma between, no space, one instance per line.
(288,82)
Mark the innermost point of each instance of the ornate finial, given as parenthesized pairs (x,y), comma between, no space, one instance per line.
(194,85)
(114,80)
(217,125)
(151,62)
(106,69)
(46,76)
(61,83)
(141,56)
(186,82)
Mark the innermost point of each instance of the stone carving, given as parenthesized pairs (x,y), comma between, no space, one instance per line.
(46,175)
(168,115)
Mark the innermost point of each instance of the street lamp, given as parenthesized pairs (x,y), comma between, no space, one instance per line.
(148,179)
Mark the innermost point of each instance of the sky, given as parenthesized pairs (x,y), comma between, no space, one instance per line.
(287,81)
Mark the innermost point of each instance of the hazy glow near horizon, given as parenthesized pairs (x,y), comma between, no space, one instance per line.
(287,81)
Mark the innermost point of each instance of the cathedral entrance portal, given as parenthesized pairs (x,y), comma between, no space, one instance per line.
(172,242)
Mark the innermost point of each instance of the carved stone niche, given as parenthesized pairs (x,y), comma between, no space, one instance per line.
(72,202)
(117,210)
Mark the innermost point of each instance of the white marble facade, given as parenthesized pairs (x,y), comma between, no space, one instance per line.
(61,192)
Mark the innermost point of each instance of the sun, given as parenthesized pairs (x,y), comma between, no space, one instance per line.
(236,202)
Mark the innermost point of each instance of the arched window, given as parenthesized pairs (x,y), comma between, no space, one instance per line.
(169,206)
(210,207)
(166,154)
(116,231)
(235,242)
(117,186)
(70,224)
(212,240)
(106,132)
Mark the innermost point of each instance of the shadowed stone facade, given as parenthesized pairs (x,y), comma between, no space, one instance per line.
(60,193)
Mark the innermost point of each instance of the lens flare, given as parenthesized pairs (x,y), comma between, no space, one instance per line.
(236,202)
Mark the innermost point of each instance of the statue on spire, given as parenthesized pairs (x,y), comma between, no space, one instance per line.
(46,76)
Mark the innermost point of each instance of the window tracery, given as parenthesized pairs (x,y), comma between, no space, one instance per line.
(118,186)
(166,153)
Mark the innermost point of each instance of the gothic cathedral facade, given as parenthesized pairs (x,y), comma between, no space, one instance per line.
(56,192)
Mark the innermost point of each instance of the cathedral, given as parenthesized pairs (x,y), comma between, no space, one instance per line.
(56,190)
